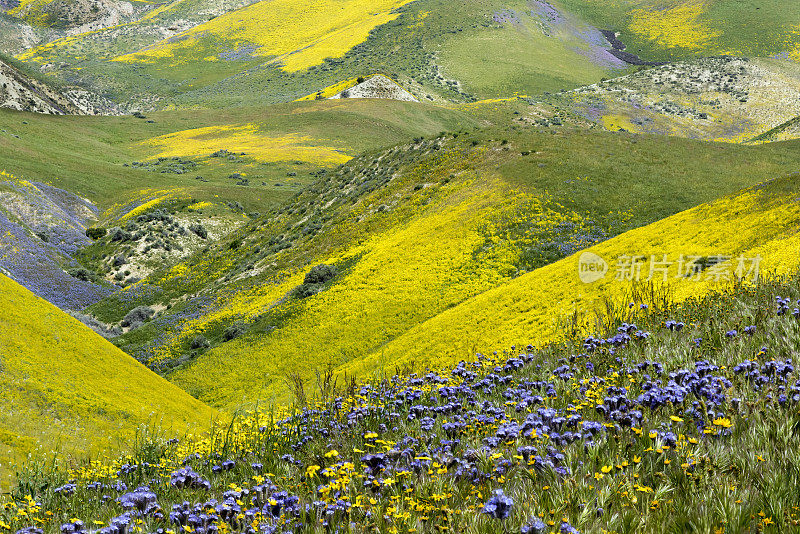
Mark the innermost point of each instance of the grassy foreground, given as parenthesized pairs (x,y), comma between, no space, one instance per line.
(617,432)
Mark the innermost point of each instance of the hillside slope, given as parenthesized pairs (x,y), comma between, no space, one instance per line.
(441,50)
(412,231)
(23,93)
(208,169)
(41,229)
(64,388)
(722,98)
(660,30)
(94,157)
(75,15)
(724,237)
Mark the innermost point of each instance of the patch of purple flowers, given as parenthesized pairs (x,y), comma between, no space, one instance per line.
(499,505)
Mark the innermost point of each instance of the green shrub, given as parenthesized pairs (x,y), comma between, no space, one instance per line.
(319,274)
(200,230)
(199,342)
(233,331)
(137,316)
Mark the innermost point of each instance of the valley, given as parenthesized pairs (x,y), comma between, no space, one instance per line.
(399,266)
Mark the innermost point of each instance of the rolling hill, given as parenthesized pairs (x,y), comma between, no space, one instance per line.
(414,253)
(724,235)
(93,156)
(198,52)
(413,232)
(115,169)
(66,389)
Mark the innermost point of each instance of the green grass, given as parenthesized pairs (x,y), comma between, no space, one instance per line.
(525,57)
(86,155)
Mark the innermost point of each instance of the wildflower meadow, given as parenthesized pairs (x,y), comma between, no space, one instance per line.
(676,419)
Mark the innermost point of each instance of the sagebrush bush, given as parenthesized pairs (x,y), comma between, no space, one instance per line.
(319,274)
(233,331)
(199,230)
(137,316)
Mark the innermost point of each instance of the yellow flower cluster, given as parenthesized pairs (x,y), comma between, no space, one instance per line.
(679,25)
(245,138)
(298,34)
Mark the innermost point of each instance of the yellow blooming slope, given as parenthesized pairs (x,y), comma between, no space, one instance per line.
(533,307)
(680,24)
(246,138)
(64,387)
(402,274)
(298,34)
(32,11)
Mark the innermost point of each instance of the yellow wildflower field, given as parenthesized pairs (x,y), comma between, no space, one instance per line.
(793,43)
(387,291)
(199,205)
(406,273)
(65,386)
(532,308)
(31,10)
(678,25)
(248,139)
(299,35)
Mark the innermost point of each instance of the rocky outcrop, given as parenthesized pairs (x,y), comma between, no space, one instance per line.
(377,86)
(23,93)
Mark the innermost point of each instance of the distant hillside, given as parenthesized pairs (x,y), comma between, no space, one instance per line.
(23,93)
(94,157)
(194,52)
(721,98)
(436,49)
(673,30)
(65,388)
(70,17)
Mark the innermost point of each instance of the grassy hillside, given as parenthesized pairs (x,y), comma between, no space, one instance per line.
(438,49)
(474,51)
(66,389)
(725,235)
(668,30)
(93,156)
(298,36)
(413,232)
(210,171)
(41,230)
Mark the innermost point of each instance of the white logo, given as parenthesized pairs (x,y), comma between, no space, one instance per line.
(591,267)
